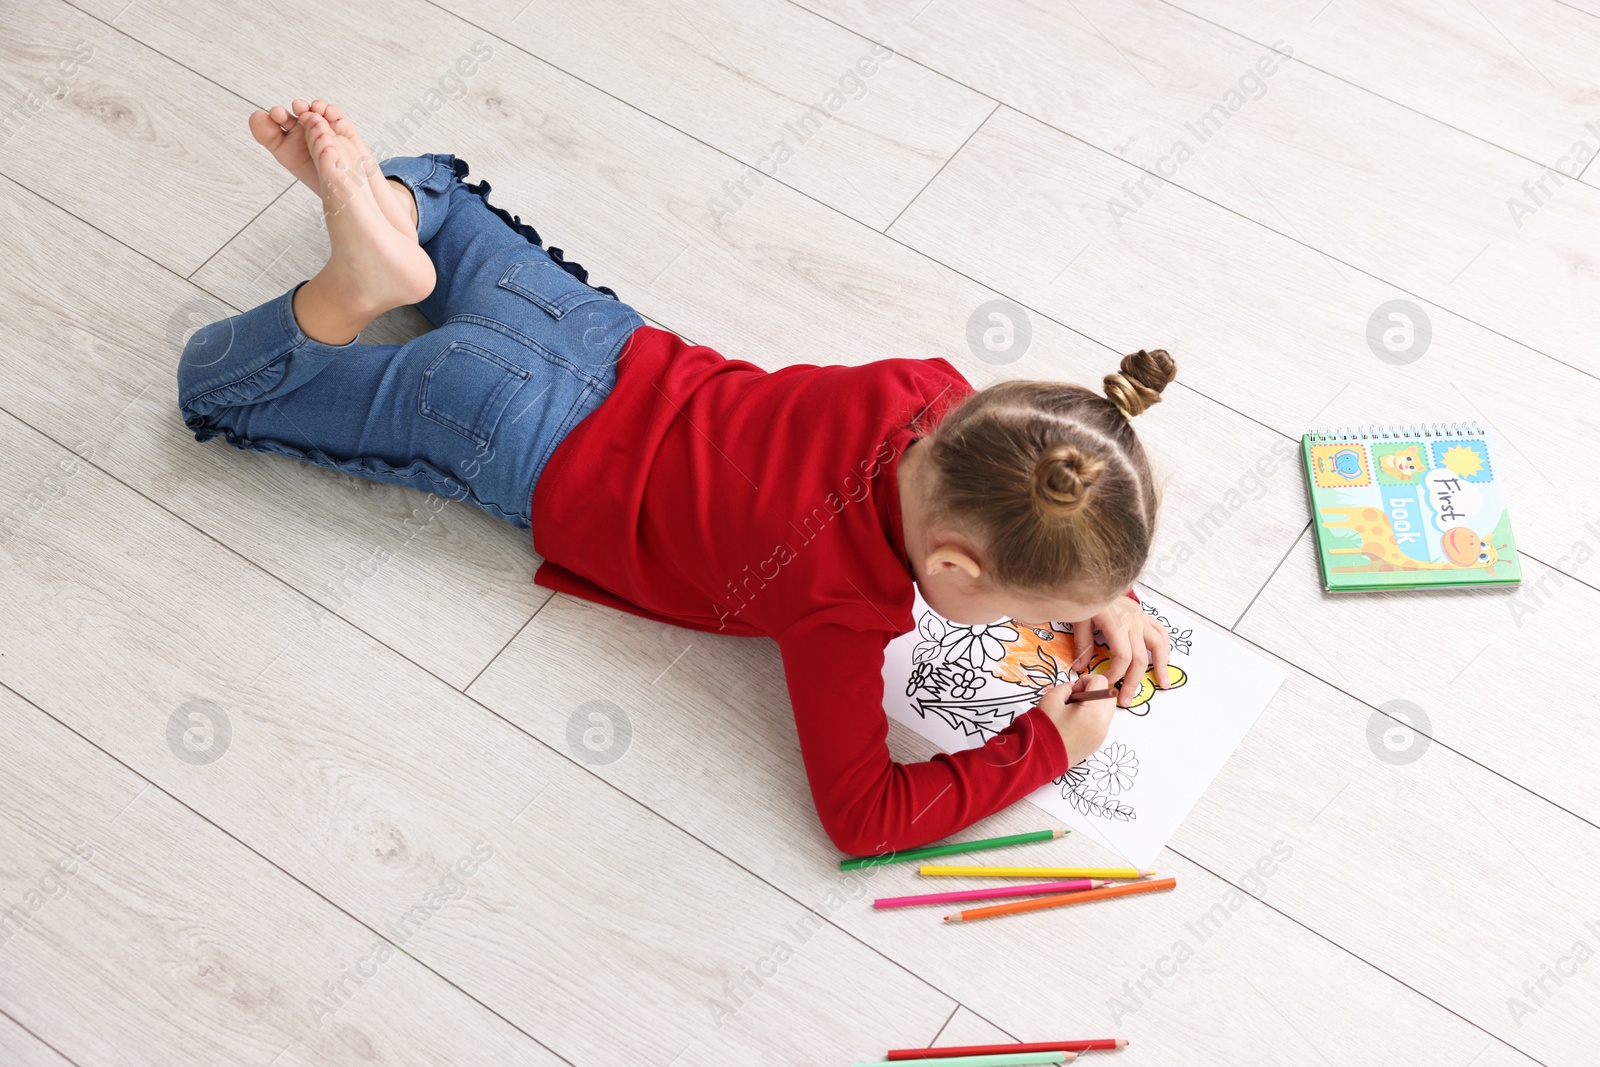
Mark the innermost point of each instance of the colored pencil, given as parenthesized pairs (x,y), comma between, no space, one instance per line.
(1072,885)
(902,1054)
(978,1061)
(1063,899)
(1035,872)
(1091,694)
(929,851)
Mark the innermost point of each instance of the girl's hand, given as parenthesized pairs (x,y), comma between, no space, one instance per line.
(1083,727)
(1134,640)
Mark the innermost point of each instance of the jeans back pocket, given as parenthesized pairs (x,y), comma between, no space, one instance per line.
(466,389)
(548,286)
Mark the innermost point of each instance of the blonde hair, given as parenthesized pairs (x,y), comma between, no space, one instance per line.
(1050,480)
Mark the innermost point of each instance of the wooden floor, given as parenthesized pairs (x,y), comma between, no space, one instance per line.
(406,854)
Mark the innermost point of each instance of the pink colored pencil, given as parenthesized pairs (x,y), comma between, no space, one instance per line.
(1070,886)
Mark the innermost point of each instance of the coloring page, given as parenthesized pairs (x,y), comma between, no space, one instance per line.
(959,685)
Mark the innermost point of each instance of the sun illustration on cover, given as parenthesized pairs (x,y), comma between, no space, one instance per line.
(1462,460)
(954,665)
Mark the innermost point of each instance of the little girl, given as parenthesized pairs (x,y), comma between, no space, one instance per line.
(662,479)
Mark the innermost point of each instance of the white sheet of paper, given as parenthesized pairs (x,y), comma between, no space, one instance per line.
(967,683)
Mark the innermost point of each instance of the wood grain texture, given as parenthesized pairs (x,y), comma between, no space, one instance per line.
(90,135)
(788,95)
(1397,861)
(1450,651)
(1380,187)
(365,779)
(1258,322)
(1516,73)
(965,1028)
(747,793)
(151,936)
(22,1049)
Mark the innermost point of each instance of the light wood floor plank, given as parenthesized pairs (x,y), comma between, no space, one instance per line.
(22,1049)
(742,77)
(965,1028)
(747,793)
(745,76)
(363,778)
(153,937)
(122,137)
(1397,861)
(1517,73)
(1258,322)
(93,365)
(1412,201)
(1450,652)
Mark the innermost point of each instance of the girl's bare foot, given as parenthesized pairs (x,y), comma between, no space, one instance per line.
(279,132)
(282,133)
(397,204)
(373,267)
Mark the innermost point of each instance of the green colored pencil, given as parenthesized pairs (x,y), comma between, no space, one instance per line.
(972,1061)
(927,851)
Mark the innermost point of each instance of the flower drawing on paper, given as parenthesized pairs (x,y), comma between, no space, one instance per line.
(977,647)
(965,682)
(1081,788)
(1181,640)
(979,679)
(1112,768)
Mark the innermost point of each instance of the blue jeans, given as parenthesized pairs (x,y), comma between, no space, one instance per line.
(522,350)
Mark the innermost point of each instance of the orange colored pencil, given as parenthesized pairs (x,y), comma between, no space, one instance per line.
(1061,899)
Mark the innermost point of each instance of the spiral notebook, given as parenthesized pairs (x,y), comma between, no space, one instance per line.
(1409,507)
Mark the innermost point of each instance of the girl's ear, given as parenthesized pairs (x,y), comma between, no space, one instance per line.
(954,556)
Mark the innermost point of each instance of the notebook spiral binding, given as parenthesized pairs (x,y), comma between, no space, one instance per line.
(1400,432)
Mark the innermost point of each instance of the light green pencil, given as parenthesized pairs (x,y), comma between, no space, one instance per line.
(1000,1060)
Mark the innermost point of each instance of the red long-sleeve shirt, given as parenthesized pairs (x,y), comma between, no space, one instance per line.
(712,494)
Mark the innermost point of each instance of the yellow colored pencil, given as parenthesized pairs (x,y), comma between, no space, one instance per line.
(1034,872)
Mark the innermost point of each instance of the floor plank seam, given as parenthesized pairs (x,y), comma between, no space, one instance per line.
(1363,88)
(20,1025)
(1530,791)
(1574,7)
(940,171)
(1356,956)
(1276,568)
(274,864)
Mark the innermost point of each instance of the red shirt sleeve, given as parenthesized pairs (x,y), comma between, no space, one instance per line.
(867,802)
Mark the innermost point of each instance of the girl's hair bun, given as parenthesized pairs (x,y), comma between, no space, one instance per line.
(1144,374)
(1062,480)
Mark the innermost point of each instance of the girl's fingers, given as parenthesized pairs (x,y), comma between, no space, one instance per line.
(1133,677)
(1121,652)
(1090,683)
(1160,649)
(1082,643)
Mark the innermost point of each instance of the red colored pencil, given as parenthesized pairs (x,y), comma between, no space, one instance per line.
(996,1050)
